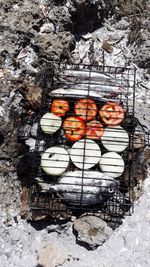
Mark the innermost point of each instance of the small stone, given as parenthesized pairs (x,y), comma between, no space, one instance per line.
(24,205)
(23,132)
(23,53)
(47,28)
(92,230)
(107,46)
(5,71)
(52,256)
(73,218)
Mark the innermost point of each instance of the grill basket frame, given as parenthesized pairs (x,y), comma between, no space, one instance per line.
(121,203)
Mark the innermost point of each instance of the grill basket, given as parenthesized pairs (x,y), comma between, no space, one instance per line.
(86,186)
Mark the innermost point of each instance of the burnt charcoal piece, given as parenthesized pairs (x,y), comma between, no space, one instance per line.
(56,139)
(24,129)
(131,123)
(24,38)
(62,138)
(24,132)
(1,138)
(44,78)
(25,167)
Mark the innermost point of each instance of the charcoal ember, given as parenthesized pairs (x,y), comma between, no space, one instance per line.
(26,166)
(24,131)
(1,138)
(10,147)
(44,78)
(24,127)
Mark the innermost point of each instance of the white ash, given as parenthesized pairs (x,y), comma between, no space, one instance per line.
(31,143)
(34,129)
(26,58)
(119,56)
(2,111)
(10,102)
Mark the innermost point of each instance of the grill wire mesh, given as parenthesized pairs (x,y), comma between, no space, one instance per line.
(73,179)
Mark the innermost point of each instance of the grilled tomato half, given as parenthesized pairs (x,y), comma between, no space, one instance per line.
(112,114)
(74,128)
(94,130)
(86,109)
(60,107)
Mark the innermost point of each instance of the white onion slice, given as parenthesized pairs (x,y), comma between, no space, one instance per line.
(85,154)
(55,161)
(112,164)
(50,123)
(115,139)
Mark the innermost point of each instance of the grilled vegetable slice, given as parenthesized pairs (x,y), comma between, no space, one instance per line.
(85,154)
(112,114)
(94,130)
(115,139)
(74,128)
(86,109)
(50,123)
(112,164)
(55,161)
(60,107)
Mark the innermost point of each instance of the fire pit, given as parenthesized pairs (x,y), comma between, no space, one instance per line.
(85,143)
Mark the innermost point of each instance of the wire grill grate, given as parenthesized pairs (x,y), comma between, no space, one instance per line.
(76,179)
